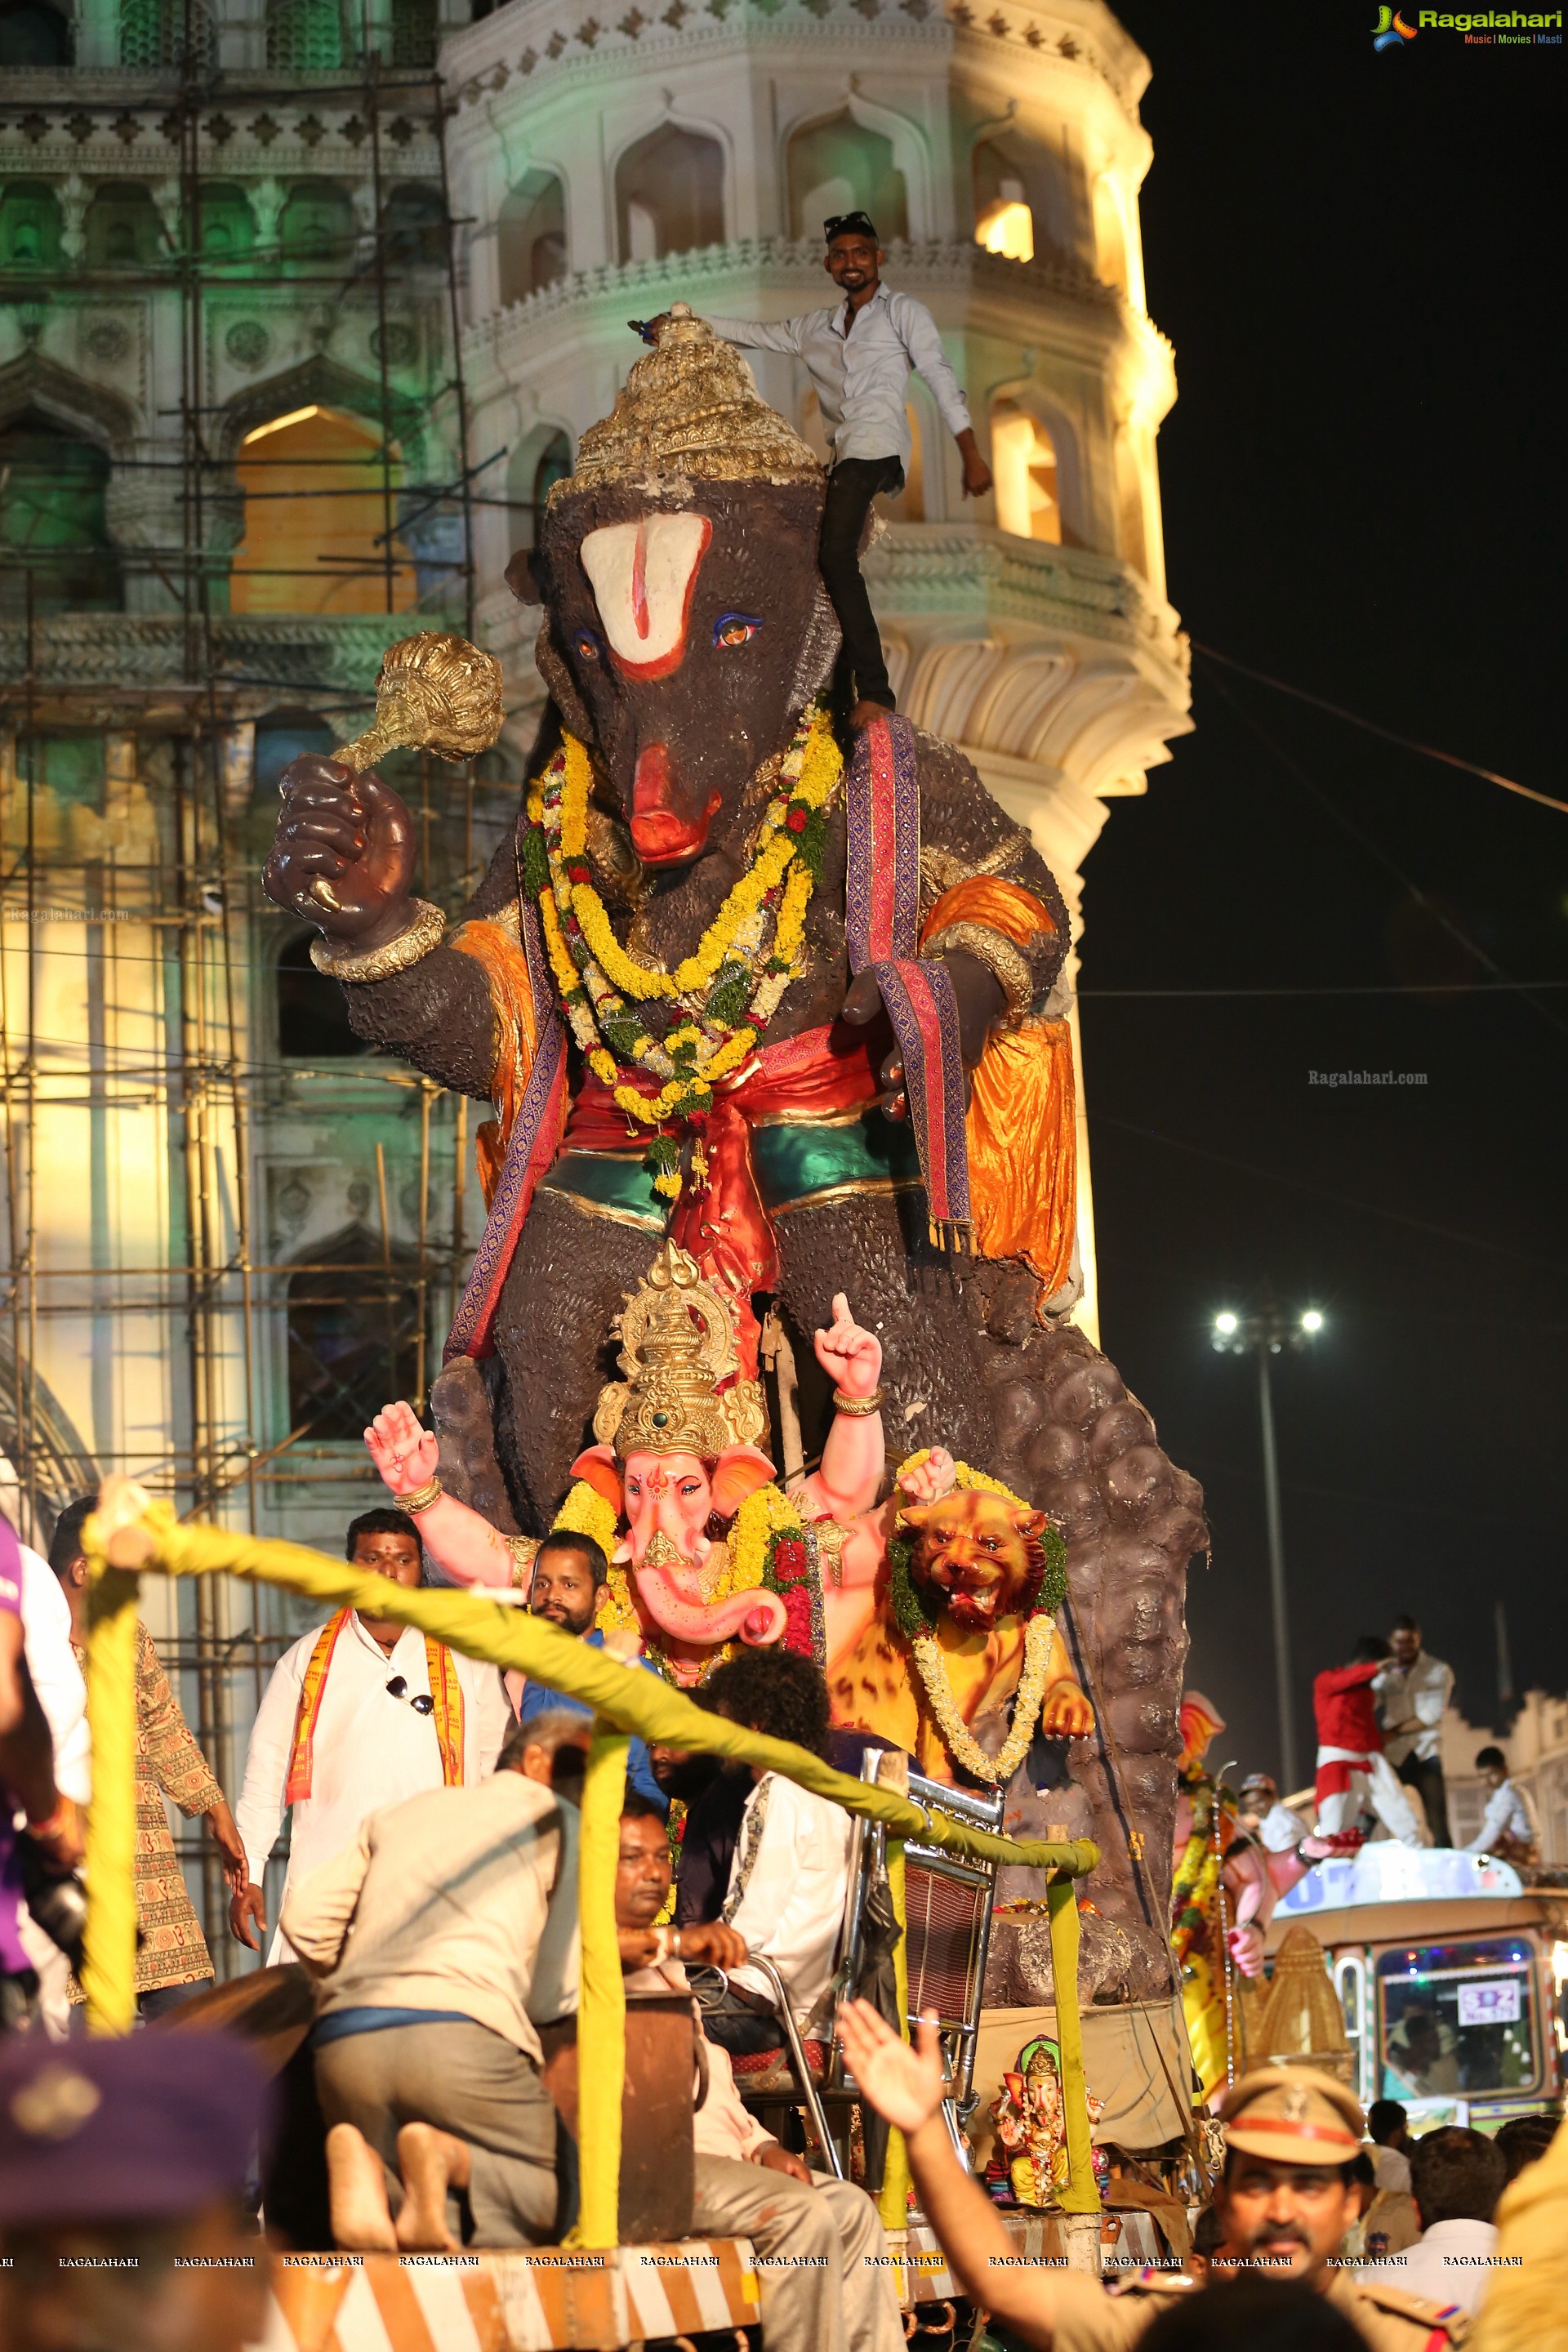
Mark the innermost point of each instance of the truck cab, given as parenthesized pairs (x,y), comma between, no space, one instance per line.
(1450,1974)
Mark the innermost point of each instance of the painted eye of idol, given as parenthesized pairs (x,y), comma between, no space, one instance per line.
(735,628)
(586,647)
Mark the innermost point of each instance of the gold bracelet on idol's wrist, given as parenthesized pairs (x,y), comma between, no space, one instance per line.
(855,1406)
(421,1498)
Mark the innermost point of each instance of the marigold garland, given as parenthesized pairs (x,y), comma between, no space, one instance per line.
(728,988)
(1197,1882)
(918,1623)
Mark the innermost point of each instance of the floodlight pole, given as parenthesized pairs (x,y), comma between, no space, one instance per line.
(1283,1697)
(1267,1334)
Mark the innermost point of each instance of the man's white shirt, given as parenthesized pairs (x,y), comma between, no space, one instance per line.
(792,1904)
(1450,2263)
(1509,1814)
(56,1677)
(1280,1830)
(370,1750)
(1422,1691)
(861,377)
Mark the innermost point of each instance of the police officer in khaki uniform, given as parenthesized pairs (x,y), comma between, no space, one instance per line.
(1284,2204)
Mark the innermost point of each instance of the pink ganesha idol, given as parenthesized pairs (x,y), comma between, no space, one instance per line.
(706,1549)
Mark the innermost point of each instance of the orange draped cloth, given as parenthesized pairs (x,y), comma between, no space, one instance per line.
(446,1717)
(1022,1128)
(505,967)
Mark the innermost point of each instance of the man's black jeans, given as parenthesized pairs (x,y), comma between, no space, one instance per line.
(1425,1774)
(851,487)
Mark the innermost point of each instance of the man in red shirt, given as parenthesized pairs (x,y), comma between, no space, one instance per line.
(1352,1770)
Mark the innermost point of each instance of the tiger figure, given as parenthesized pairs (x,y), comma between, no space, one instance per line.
(944,1639)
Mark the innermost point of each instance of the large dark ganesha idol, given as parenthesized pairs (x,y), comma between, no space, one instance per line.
(729,987)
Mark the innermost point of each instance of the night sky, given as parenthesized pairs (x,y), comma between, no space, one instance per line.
(1357,257)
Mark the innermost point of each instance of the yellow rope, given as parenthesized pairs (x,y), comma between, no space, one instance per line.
(1081,2194)
(109,1968)
(135,1533)
(602,2003)
(893,2204)
(504,1636)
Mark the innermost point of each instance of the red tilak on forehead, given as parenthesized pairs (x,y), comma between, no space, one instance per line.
(639,581)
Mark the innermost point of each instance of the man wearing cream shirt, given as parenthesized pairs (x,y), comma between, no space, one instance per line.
(444,1938)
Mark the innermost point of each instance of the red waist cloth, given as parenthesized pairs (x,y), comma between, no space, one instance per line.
(1345,1709)
(720,1219)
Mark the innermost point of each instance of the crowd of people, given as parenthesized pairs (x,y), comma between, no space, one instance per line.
(431,1899)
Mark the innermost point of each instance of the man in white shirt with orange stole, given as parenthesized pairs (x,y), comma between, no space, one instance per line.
(359,1714)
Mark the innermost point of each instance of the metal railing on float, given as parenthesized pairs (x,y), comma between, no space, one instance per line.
(131,1534)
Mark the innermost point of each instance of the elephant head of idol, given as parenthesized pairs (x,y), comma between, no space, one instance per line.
(687,624)
(675,1453)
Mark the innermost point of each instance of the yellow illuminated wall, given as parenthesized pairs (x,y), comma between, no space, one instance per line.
(313,509)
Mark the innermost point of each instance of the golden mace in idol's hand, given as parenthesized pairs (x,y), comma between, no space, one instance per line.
(434,693)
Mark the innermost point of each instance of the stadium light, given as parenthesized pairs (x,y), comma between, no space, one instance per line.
(1264,1334)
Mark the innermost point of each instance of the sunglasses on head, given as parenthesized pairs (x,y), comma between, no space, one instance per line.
(855,223)
(422,1702)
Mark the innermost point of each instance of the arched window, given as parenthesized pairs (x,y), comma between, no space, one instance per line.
(415,229)
(305,35)
(353,1328)
(304,551)
(227,224)
(32,34)
(29,226)
(1024,462)
(542,459)
(840,167)
(531,232)
(52,522)
(1012,183)
(312,1016)
(669,194)
(1109,235)
(316,229)
(124,230)
(555,464)
(158,33)
(413,32)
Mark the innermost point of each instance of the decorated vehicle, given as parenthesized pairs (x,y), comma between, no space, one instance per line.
(1450,1973)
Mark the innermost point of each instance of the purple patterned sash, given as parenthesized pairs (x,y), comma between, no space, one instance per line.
(882,927)
(535,1134)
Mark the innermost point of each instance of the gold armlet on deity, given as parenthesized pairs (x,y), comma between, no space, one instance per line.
(1007,965)
(410,947)
(855,1406)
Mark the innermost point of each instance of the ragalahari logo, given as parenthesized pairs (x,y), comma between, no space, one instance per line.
(1390,29)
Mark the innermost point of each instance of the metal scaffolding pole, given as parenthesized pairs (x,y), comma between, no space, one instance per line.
(183,1042)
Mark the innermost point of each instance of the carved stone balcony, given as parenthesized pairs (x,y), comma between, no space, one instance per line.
(715,272)
(84,664)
